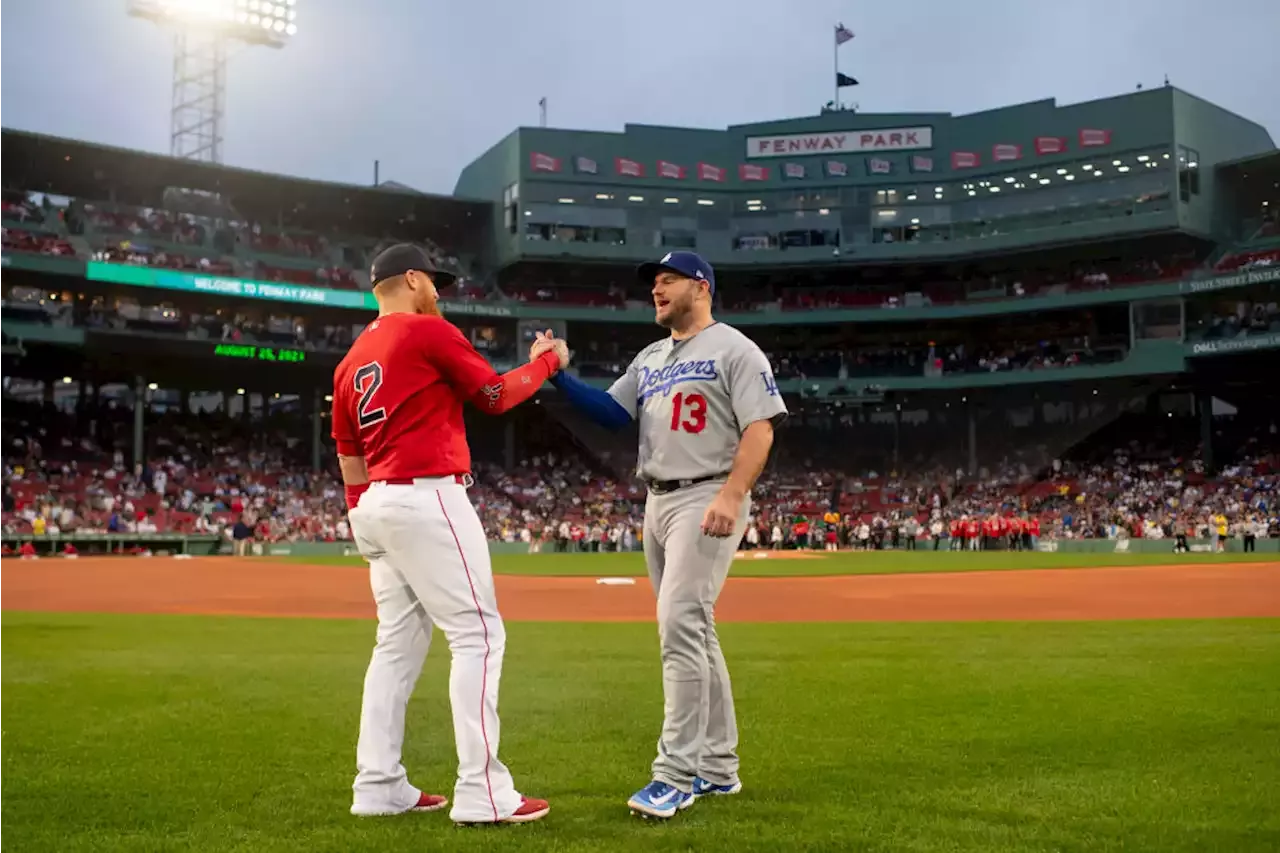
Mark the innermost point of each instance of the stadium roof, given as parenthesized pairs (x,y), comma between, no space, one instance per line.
(91,171)
(1257,165)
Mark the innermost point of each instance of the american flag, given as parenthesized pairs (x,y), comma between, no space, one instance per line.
(843,34)
(748,172)
(631,168)
(543,162)
(708,172)
(1092,137)
(1051,144)
(836,169)
(1006,151)
(670,170)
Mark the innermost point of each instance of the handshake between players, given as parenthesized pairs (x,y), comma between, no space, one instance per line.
(547,341)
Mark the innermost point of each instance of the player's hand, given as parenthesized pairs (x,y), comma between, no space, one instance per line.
(542,341)
(547,341)
(721,515)
(562,350)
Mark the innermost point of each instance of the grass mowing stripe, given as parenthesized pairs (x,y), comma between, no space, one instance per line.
(172,732)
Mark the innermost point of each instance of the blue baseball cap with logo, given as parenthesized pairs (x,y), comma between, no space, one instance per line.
(688,264)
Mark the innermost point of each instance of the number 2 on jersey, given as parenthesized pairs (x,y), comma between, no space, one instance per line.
(694,408)
(367,381)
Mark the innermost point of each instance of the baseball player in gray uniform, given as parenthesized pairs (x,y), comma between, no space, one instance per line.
(706,402)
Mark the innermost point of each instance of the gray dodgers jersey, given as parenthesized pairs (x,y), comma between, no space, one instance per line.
(693,398)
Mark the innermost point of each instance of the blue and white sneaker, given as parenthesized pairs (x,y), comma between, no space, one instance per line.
(703,788)
(658,799)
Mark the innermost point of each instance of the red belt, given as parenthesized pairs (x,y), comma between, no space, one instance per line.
(460,479)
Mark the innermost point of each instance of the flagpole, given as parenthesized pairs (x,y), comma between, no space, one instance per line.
(835,68)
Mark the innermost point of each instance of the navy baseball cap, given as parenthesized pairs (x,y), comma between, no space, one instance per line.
(688,264)
(403,257)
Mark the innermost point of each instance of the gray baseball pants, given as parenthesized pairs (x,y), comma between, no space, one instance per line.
(688,569)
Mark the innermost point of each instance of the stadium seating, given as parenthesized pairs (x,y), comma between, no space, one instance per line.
(35,242)
(215,246)
(204,471)
(794,294)
(1249,259)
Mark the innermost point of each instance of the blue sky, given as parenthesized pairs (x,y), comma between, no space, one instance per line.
(426,87)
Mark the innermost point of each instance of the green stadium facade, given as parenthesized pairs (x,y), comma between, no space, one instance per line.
(879,204)
(793,192)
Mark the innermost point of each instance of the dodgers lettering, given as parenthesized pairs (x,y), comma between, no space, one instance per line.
(663,379)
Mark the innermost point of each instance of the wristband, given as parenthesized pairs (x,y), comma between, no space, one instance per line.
(354,493)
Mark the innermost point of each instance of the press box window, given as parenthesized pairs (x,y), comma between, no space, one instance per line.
(511,208)
(1188,173)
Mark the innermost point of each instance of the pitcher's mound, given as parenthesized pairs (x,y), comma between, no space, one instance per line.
(778,555)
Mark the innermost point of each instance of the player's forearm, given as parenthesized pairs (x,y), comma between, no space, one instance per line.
(598,405)
(749,461)
(515,386)
(354,470)
(355,477)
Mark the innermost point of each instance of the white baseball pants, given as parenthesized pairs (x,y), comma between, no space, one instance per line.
(429,564)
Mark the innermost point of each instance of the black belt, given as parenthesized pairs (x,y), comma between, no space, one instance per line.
(661,487)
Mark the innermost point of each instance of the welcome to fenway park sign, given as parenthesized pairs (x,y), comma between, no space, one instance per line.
(840,142)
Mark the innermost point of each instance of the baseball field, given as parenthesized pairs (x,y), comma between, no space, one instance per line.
(957,702)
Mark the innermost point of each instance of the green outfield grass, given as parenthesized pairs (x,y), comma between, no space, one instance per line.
(191,733)
(842,563)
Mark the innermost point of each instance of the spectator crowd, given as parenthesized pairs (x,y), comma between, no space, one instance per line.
(206,474)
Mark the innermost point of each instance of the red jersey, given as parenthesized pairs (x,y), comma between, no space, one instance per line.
(398,395)
(971,529)
(1033,526)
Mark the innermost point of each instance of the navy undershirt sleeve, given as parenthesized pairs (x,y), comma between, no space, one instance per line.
(592,402)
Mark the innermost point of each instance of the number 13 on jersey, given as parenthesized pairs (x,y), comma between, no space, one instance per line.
(688,413)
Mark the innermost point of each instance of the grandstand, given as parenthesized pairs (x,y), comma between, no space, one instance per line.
(1064,318)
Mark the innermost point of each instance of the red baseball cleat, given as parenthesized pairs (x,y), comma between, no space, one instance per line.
(531,809)
(430,803)
(426,803)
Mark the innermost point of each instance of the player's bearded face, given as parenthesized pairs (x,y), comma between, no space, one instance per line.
(673,297)
(424,297)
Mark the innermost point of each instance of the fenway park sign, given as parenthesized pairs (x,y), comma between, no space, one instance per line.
(840,142)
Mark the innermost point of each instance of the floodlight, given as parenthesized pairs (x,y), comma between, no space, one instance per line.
(203,31)
(224,18)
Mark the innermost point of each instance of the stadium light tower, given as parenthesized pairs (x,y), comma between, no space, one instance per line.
(203,30)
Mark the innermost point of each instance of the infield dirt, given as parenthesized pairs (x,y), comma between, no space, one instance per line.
(227,586)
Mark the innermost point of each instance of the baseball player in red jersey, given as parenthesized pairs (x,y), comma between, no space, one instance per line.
(397,420)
